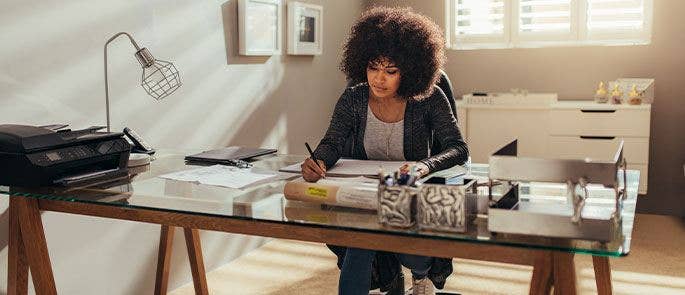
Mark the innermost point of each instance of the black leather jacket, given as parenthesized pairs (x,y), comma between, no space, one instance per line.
(426,123)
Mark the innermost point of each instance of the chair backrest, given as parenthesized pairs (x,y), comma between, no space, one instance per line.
(446,87)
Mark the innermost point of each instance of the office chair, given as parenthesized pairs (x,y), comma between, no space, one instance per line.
(446,86)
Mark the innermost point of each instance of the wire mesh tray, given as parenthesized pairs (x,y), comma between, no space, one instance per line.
(569,216)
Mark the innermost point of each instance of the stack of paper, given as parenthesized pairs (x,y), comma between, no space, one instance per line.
(221,175)
(349,167)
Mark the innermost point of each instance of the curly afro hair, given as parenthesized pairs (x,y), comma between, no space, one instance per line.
(413,42)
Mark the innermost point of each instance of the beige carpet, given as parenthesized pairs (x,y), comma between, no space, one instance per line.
(655,266)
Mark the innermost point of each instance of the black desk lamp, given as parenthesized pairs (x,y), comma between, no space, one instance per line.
(160,78)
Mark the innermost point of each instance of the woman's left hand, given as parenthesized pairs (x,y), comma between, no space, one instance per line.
(421,168)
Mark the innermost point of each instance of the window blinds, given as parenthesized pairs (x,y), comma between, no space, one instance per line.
(480,17)
(615,15)
(537,23)
(545,16)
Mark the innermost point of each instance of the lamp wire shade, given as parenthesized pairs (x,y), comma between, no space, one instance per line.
(160,79)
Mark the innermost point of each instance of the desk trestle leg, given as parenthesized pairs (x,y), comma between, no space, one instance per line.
(166,239)
(602,275)
(34,250)
(541,282)
(197,266)
(18,268)
(553,269)
(557,269)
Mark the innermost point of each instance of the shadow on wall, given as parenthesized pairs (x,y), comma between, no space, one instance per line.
(33,83)
(258,119)
(269,113)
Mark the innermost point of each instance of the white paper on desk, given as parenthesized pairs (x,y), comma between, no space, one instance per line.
(347,180)
(221,175)
(350,167)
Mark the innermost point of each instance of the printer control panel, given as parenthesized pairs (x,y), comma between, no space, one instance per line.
(72,153)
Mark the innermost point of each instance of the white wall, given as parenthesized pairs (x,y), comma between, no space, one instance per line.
(51,71)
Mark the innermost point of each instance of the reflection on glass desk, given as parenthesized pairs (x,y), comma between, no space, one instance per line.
(265,201)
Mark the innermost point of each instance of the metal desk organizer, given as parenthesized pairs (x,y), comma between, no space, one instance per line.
(447,207)
(431,206)
(574,218)
(397,205)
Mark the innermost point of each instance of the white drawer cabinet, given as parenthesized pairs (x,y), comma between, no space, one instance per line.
(489,129)
(599,122)
(565,129)
(635,150)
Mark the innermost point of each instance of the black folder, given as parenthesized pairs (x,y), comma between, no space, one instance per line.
(229,154)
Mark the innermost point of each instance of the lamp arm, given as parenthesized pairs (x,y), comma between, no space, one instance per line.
(106,83)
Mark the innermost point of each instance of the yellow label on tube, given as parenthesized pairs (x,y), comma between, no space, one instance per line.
(317,192)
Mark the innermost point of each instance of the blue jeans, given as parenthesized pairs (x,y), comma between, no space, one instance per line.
(355,275)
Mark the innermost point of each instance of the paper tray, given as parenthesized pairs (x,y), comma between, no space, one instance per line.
(553,219)
(505,165)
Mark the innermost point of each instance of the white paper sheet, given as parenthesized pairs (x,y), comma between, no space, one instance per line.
(349,167)
(347,180)
(222,175)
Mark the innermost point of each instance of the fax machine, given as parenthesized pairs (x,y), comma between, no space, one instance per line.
(34,156)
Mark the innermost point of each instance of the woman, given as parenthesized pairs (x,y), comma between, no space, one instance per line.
(392,57)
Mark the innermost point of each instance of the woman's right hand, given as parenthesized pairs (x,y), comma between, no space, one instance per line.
(313,171)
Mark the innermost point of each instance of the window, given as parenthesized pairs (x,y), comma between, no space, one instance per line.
(477,24)
(480,21)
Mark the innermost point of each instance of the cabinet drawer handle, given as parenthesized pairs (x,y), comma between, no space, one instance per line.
(598,111)
(598,137)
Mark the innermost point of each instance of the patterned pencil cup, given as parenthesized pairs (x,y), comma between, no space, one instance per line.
(446,207)
(397,205)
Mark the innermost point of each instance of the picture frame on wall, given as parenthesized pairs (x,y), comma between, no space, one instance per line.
(259,27)
(305,29)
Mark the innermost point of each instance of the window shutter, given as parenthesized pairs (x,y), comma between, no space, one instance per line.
(545,17)
(475,24)
(480,17)
(618,19)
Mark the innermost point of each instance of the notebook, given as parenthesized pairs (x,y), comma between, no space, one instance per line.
(350,167)
(368,168)
(229,154)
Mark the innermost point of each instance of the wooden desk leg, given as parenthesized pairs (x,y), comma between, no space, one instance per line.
(17,267)
(197,265)
(541,282)
(35,245)
(553,268)
(166,239)
(564,273)
(602,275)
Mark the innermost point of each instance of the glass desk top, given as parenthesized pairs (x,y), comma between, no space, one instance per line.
(265,201)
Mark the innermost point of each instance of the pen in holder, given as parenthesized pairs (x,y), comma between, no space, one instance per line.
(397,205)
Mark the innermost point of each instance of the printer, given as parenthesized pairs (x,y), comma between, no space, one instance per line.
(35,156)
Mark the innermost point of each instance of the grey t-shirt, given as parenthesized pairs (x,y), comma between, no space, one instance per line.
(383,141)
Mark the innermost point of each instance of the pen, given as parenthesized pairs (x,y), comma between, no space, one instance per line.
(311,155)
